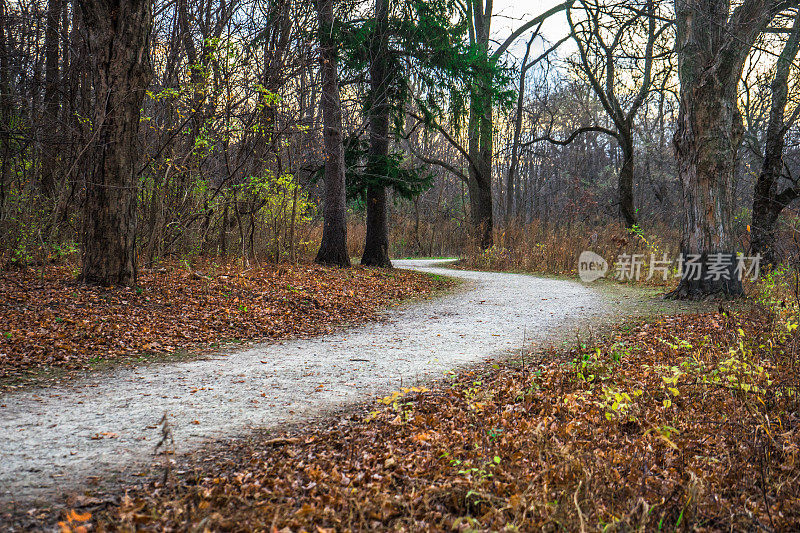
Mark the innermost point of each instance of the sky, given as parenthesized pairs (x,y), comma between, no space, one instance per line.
(511,14)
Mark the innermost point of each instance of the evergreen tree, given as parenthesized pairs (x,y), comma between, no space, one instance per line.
(409,40)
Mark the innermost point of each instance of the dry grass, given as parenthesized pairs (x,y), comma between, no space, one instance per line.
(543,249)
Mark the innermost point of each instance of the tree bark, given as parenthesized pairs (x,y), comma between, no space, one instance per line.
(51,102)
(333,249)
(625,181)
(117,37)
(767,202)
(5,111)
(376,247)
(712,45)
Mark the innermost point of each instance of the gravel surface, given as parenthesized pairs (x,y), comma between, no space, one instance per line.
(63,438)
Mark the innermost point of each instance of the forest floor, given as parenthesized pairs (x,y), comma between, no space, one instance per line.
(101,430)
(53,328)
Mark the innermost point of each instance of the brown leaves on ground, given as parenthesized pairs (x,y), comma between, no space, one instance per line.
(690,422)
(52,320)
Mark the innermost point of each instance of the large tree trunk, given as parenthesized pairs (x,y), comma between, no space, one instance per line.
(333,250)
(707,140)
(117,39)
(376,247)
(767,202)
(712,45)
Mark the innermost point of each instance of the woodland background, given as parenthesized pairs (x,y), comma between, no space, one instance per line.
(523,151)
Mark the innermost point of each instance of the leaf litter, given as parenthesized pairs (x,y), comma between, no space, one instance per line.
(49,320)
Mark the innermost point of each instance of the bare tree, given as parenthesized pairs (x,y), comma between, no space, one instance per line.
(512,192)
(511,175)
(768,201)
(631,30)
(479,151)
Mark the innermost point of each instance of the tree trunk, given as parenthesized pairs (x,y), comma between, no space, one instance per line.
(376,247)
(333,250)
(480,173)
(117,38)
(51,83)
(484,178)
(481,131)
(76,91)
(767,202)
(223,231)
(711,56)
(511,177)
(625,183)
(707,140)
(5,111)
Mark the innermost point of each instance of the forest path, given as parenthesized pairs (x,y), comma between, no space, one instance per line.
(58,439)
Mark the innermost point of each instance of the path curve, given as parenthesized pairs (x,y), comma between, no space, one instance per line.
(54,439)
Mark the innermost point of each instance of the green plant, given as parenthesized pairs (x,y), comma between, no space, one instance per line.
(590,366)
(617,351)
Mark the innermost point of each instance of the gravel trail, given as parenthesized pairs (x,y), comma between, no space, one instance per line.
(54,440)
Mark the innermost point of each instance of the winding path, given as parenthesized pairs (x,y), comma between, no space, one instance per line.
(54,439)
